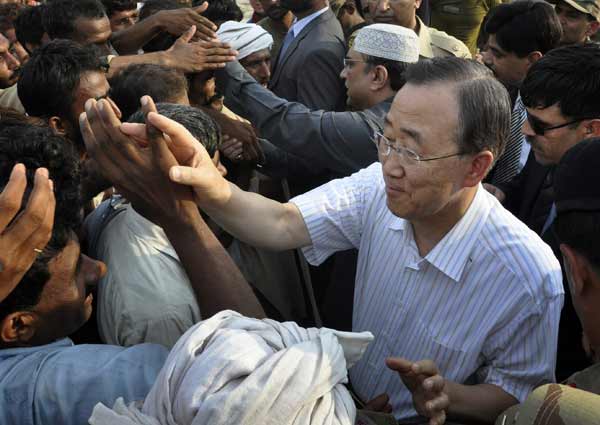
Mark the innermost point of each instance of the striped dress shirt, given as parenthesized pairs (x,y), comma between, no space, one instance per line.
(484,304)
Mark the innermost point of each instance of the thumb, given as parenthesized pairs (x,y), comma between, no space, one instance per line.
(188,176)
(201,8)
(187,36)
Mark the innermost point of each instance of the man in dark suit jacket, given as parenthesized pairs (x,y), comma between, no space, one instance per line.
(307,68)
(560,95)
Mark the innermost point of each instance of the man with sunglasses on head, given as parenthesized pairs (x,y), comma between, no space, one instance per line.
(464,330)
(563,108)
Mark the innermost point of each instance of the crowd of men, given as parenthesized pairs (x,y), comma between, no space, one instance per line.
(411,182)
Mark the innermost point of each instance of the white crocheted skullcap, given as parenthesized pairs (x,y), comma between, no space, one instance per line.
(388,41)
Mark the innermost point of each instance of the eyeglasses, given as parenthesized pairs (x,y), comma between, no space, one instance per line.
(539,128)
(349,62)
(385,147)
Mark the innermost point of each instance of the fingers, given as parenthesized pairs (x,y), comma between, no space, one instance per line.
(201,8)
(12,195)
(185,175)
(398,364)
(147,107)
(425,367)
(181,139)
(134,130)
(438,419)
(40,238)
(34,215)
(115,108)
(186,37)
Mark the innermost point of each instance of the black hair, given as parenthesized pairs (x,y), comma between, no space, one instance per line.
(197,122)
(569,77)
(113,6)
(525,26)
(38,146)
(395,70)
(29,27)
(581,231)
(49,79)
(220,11)
(484,104)
(164,40)
(161,83)
(59,16)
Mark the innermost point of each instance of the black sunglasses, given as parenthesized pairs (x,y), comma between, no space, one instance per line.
(539,128)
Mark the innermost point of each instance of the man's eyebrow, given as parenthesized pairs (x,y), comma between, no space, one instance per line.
(413,134)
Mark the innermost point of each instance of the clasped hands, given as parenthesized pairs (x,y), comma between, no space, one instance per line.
(159,166)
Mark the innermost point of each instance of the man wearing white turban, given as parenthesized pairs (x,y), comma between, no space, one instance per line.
(254,46)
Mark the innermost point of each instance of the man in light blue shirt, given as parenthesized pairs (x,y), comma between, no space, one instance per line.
(45,378)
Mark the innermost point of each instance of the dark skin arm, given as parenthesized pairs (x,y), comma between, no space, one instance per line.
(175,22)
(141,174)
(184,55)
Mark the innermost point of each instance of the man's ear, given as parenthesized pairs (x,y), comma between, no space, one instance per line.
(592,28)
(381,77)
(593,128)
(58,126)
(480,165)
(576,268)
(18,328)
(533,57)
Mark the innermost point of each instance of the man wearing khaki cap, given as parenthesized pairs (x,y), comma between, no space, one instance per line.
(579,20)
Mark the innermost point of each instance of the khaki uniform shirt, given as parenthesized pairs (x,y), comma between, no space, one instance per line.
(434,43)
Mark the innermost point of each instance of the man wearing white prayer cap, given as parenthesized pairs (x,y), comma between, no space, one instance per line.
(339,142)
(254,46)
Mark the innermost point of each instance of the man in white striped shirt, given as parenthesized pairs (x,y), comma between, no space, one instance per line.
(446,276)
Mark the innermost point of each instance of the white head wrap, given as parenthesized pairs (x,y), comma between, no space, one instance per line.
(388,41)
(245,38)
(230,369)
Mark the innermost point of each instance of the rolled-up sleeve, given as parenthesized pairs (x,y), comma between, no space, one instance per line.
(334,213)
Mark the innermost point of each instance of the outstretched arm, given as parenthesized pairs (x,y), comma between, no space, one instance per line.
(247,216)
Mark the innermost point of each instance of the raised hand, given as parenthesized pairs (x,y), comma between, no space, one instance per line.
(178,21)
(427,386)
(136,171)
(195,167)
(24,238)
(193,57)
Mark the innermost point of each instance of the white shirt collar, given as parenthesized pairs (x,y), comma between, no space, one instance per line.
(298,26)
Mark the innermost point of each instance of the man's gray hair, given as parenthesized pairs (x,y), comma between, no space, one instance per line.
(202,127)
(484,104)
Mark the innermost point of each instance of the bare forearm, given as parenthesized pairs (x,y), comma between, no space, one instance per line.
(130,40)
(217,282)
(120,62)
(481,403)
(260,221)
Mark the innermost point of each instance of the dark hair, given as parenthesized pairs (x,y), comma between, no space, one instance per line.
(161,83)
(581,231)
(197,122)
(163,40)
(29,27)
(38,146)
(48,80)
(8,14)
(484,104)
(59,16)
(568,76)
(220,11)
(525,26)
(395,70)
(113,6)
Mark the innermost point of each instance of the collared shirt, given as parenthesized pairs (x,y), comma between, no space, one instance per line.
(434,43)
(145,295)
(60,383)
(484,304)
(299,25)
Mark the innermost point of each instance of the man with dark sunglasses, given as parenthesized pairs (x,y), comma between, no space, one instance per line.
(560,96)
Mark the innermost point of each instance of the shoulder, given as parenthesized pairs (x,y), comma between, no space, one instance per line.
(446,45)
(523,253)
